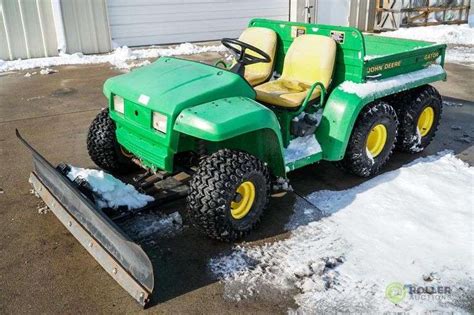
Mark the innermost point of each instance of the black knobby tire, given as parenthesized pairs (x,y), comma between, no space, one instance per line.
(357,160)
(409,139)
(213,187)
(102,145)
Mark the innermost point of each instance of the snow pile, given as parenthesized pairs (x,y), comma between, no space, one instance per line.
(152,225)
(398,82)
(459,38)
(441,34)
(412,226)
(112,192)
(300,148)
(460,54)
(118,58)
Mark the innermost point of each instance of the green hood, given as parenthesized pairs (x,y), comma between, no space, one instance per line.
(170,85)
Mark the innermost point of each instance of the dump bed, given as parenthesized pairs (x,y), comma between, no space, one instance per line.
(386,57)
(360,57)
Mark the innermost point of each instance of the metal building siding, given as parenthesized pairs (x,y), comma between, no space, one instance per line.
(362,14)
(86,26)
(145,22)
(26,29)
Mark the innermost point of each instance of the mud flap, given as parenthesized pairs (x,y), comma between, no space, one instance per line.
(125,261)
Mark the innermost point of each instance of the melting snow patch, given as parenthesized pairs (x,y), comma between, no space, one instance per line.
(43,209)
(452,104)
(461,54)
(398,82)
(401,226)
(47,71)
(113,192)
(301,147)
(152,225)
(370,57)
(117,58)
(369,155)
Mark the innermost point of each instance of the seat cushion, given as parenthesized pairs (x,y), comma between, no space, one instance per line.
(255,78)
(266,40)
(284,93)
(309,59)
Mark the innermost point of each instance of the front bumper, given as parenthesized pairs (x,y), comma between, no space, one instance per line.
(149,146)
(150,154)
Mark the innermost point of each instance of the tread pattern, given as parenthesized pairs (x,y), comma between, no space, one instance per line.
(410,109)
(102,145)
(356,160)
(213,186)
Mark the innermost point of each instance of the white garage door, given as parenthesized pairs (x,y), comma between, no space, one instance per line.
(147,22)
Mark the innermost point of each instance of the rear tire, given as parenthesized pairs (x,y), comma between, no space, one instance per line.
(103,147)
(419,119)
(365,155)
(213,199)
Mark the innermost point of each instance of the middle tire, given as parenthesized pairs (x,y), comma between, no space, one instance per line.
(372,140)
(228,193)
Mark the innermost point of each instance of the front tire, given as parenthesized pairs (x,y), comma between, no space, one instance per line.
(372,140)
(419,119)
(103,147)
(227,195)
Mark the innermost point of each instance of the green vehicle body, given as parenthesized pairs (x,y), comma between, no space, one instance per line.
(207,105)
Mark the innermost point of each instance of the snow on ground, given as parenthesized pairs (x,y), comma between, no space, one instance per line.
(412,226)
(119,58)
(371,87)
(112,192)
(443,34)
(151,225)
(300,148)
(459,38)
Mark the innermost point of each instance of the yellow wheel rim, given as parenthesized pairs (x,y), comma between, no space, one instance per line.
(241,208)
(425,121)
(376,140)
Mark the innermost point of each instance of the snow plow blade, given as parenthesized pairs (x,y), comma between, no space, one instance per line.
(125,261)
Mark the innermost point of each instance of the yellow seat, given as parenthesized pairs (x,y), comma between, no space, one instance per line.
(266,40)
(309,59)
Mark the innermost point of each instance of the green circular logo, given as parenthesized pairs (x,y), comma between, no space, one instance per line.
(395,292)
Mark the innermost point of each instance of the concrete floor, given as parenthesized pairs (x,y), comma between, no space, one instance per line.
(44,270)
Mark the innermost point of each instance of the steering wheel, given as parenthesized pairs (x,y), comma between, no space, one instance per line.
(239,50)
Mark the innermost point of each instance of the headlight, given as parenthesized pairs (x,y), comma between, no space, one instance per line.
(119,105)
(160,122)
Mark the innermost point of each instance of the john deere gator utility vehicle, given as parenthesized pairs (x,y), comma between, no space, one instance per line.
(296,94)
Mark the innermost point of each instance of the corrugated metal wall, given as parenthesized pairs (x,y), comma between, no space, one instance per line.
(362,14)
(358,13)
(26,29)
(147,22)
(86,26)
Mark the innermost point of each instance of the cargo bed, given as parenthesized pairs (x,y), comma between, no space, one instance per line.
(387,57)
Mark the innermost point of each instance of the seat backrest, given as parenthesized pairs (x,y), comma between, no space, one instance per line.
(264,39)
(310,58)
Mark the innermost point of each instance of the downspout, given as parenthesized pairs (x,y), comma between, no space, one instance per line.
(59,26)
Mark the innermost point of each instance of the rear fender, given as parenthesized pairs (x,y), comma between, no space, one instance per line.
(348,99)
(236,123)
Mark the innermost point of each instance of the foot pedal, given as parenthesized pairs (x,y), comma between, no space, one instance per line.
(304,126)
